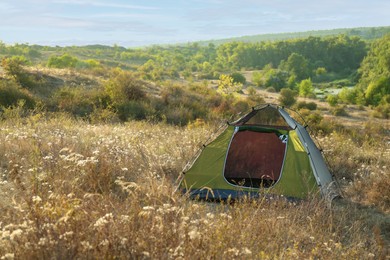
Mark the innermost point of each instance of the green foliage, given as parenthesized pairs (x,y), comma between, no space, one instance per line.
(377,89)
(14,69)
(270,89)
(63,61)
(11,94)
(276,78)
(383,109)
(306,88)
(124,87)
(287,97)
(339,111)
(307,105)
(348,95)
(332,100)
(320,71)
(375,71)
(227,86)
(78,101)
(238,78)
(257,78)
(133,110)
(296,65)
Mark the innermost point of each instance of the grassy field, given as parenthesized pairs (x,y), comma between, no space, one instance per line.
(73,190)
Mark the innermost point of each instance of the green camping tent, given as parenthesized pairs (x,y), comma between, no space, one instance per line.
(265,152)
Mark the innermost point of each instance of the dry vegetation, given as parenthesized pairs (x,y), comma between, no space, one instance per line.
(75,190)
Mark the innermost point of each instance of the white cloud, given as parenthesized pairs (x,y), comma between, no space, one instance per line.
(104,4)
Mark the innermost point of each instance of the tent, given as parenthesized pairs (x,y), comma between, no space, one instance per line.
(264,153)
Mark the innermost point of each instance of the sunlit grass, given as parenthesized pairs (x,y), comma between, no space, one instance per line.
(70,189)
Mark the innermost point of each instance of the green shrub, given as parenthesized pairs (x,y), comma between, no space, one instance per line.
(287,97)
(383,109)
(270,89)
(125,87)
(78,101)
(63,61)
(308,105)
(11,94)
(332,100)
(238,78)
(133,110)
(14,69)
(339,111)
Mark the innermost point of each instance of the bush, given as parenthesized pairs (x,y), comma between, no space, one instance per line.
(11,94)
(383,109)
(270,89)
(14,69)
(61,62)
(125,87)
(332,100)
(78,101)
(133,110)
(238,78)
(309,105)
(287,97)
(339,111)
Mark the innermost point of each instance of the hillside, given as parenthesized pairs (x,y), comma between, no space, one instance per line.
(367,33)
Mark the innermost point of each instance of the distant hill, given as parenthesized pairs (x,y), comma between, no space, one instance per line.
(366,33)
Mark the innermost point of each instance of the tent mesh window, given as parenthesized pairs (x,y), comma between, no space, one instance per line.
(267,116)
(255,159)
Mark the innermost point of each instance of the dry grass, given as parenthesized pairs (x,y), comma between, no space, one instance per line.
(74,190)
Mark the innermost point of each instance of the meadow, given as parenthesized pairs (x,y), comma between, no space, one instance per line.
(75,190)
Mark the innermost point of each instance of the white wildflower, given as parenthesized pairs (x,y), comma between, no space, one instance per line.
(8,256)
(103,220)
(36,199)
(246,251)
(105,242)
(194,234)
(15,233)
(86,245)
(148,208)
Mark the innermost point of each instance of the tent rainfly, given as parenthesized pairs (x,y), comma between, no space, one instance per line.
(266,152)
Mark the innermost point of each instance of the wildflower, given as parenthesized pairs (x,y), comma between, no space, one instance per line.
(210,215)
(86,245)
(124,241)
(105,242)
(147,208)
(8,256)
(36,199)
(103,220)
(194,234)
(16,233)
(246,251)
(233,251)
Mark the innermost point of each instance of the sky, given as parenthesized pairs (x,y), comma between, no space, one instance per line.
(141,23)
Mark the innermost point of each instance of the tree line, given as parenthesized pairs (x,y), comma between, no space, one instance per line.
(296,64)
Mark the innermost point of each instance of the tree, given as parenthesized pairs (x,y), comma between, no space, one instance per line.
(227,86)
(287,97)
(296,65)
(238,78)
(306,88)
(375,71)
